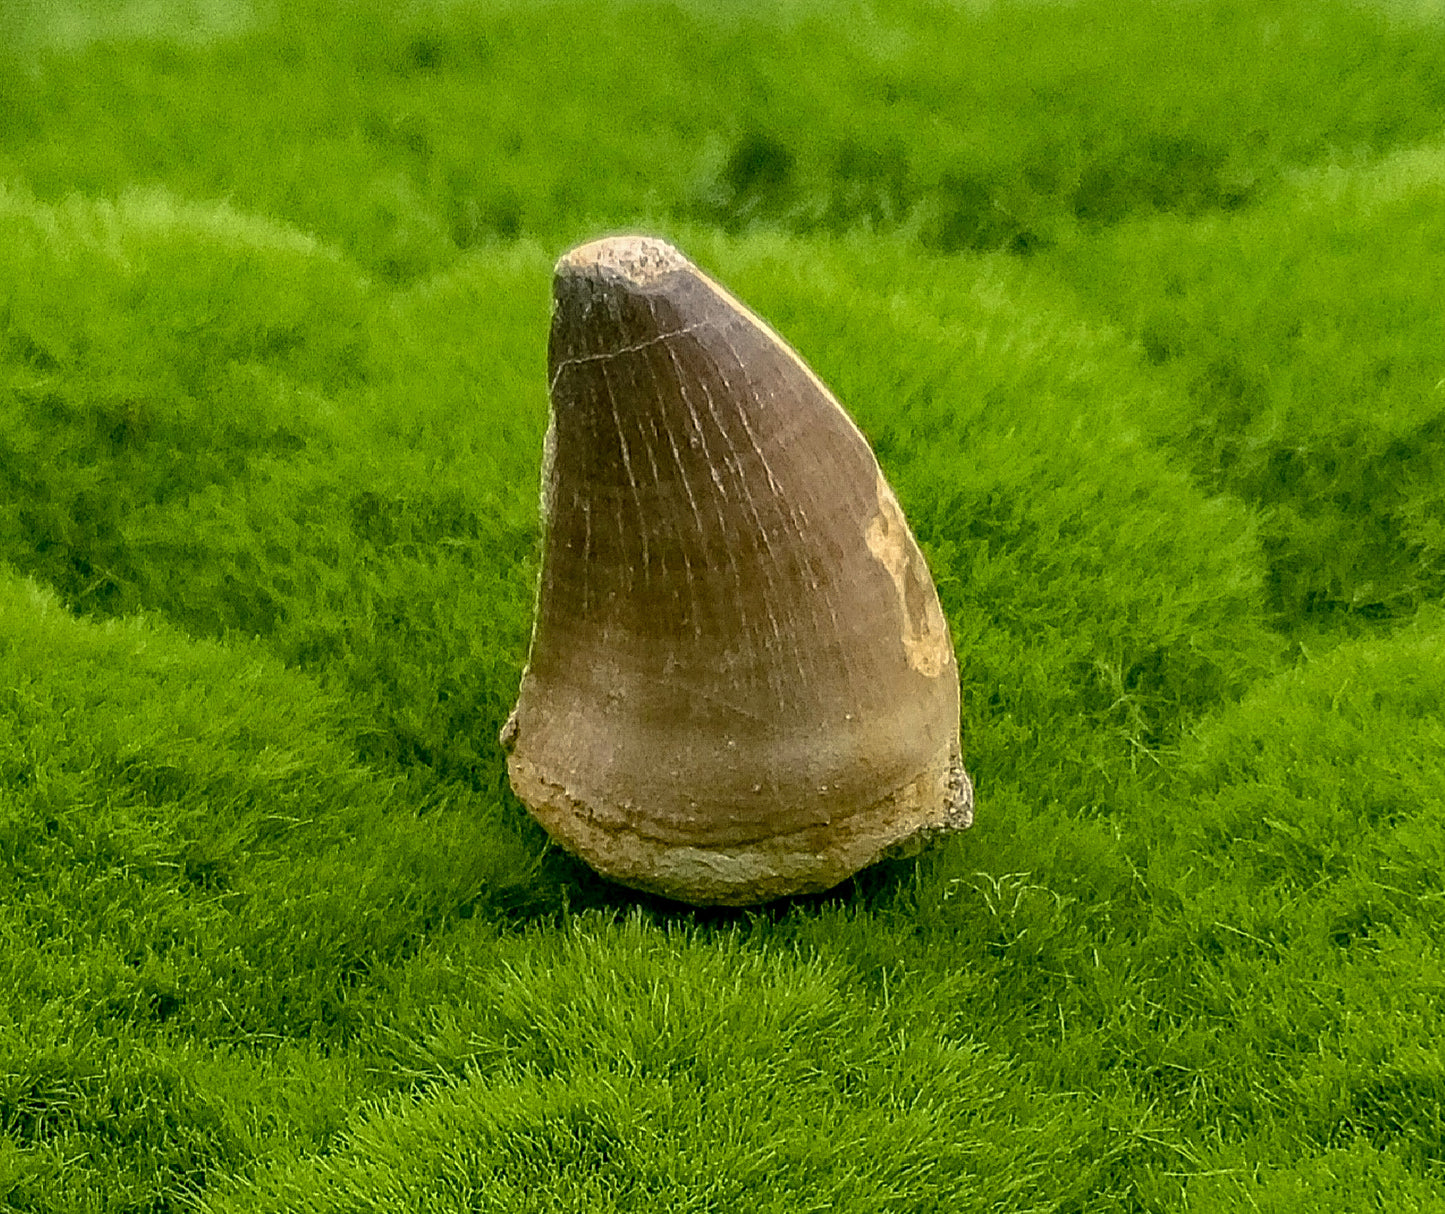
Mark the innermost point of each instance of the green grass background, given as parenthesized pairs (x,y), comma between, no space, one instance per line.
(1140,305)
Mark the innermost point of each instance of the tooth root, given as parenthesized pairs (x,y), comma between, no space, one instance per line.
(740,682)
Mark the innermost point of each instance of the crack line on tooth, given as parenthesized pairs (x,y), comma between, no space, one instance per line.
(697,521)
(735,463)
(578,360)
(692,414)
(677,531)
(657,386)
(579,505)
(631,480)
(647,388)
(767,546)
(823,585)
(792,511)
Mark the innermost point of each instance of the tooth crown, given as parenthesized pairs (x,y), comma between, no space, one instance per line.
(740,682)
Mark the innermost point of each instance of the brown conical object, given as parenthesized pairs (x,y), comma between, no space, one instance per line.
(740,683)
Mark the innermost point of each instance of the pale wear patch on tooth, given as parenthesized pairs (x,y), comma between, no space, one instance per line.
(925,632)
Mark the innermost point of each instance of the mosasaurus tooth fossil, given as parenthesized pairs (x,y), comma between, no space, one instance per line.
(740,683)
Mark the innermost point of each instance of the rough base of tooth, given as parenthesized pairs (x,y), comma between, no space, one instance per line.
(938,802)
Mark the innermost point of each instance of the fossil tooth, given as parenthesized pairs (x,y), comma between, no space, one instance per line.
(740,682)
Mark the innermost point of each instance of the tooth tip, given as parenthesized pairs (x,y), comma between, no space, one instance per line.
(637,259)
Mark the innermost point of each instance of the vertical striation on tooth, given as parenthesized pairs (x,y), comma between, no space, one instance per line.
(740,683)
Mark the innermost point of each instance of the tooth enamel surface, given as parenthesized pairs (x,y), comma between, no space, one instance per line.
(732,614)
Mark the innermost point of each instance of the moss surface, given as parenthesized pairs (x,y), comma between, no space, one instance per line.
(1138,304)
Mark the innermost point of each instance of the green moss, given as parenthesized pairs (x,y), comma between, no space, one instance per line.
(1300,856)
(214,418)
(1318,404)
(618,1066)
(196,870)
(1132,301)
(435,128)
